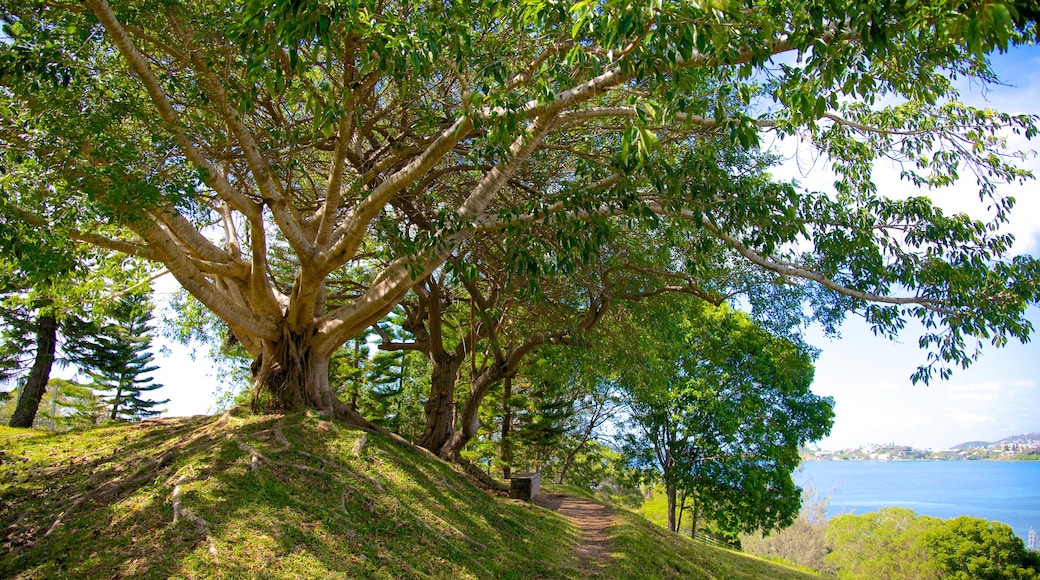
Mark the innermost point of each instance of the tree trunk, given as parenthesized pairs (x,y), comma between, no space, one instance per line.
(287,375)
(670,490)
(585,436)
(36,384)
(440,407)
(694,515)
(682,510)
(115,404)
(469,418)
(507,419)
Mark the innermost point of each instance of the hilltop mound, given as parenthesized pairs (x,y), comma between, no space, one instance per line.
(293,497)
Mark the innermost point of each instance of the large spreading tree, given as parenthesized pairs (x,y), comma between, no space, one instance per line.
(373,140)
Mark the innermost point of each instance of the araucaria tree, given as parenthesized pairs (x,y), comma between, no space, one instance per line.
(118,359)
(373,139)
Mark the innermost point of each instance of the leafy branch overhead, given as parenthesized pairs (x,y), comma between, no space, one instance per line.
(367,143)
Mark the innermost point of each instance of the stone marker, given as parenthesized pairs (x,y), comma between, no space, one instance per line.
(525,486)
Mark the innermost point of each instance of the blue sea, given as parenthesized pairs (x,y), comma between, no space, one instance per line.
(1006,491)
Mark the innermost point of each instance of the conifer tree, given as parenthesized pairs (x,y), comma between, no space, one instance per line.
(118,359)
(33,338)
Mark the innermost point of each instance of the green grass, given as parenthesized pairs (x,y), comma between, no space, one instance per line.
(645,550)
(334,503)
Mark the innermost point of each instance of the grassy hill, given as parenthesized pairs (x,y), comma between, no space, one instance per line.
(293,497)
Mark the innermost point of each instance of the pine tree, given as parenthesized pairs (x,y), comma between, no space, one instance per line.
(118,359)
(32,340)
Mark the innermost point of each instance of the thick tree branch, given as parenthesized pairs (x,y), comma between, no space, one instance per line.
(350,235)
(402,274)
(265,298)
(195,282)
(127,247)
(210,173)
(289,222)
(190,236)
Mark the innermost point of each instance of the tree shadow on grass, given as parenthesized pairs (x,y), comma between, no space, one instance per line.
(252,506)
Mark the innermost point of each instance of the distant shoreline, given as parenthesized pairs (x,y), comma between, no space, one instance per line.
(901,460)
(1025,447)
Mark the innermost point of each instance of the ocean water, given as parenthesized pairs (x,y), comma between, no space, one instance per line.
(1006,491)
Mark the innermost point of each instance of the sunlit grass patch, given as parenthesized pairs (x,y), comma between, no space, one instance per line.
(282,497)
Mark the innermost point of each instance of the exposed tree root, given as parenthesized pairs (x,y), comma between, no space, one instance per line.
(353,419)
(113,482)
(279,435)
(481,479)
(183,513)
(61,517)
(359,446)
(256,457)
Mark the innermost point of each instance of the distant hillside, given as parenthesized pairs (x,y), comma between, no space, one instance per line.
(971,445)
(1006,440)
(294,497)
(1017,438)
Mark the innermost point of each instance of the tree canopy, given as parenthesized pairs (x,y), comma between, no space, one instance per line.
(720,408)
(369,142)
(897,543)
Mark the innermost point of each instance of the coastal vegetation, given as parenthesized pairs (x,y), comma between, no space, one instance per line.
(897,543)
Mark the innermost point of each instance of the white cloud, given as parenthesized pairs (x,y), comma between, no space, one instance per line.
(869,376)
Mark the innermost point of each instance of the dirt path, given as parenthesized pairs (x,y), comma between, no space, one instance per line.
(593,519)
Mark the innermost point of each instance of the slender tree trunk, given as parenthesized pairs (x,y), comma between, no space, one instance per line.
(507,420)
(585,436)
(115,403)
(694,515)
(682,510)
(36,384)
(670,491)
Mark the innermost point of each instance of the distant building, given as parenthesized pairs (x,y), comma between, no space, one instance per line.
(1034,542)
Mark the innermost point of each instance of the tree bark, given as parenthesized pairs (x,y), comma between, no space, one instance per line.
(36,384)
(440,406)
(288,374)
(115,403)
(507,419)
(670,490)
(469,418)
(682,510)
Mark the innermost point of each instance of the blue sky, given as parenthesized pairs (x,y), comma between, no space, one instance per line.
(868,376)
